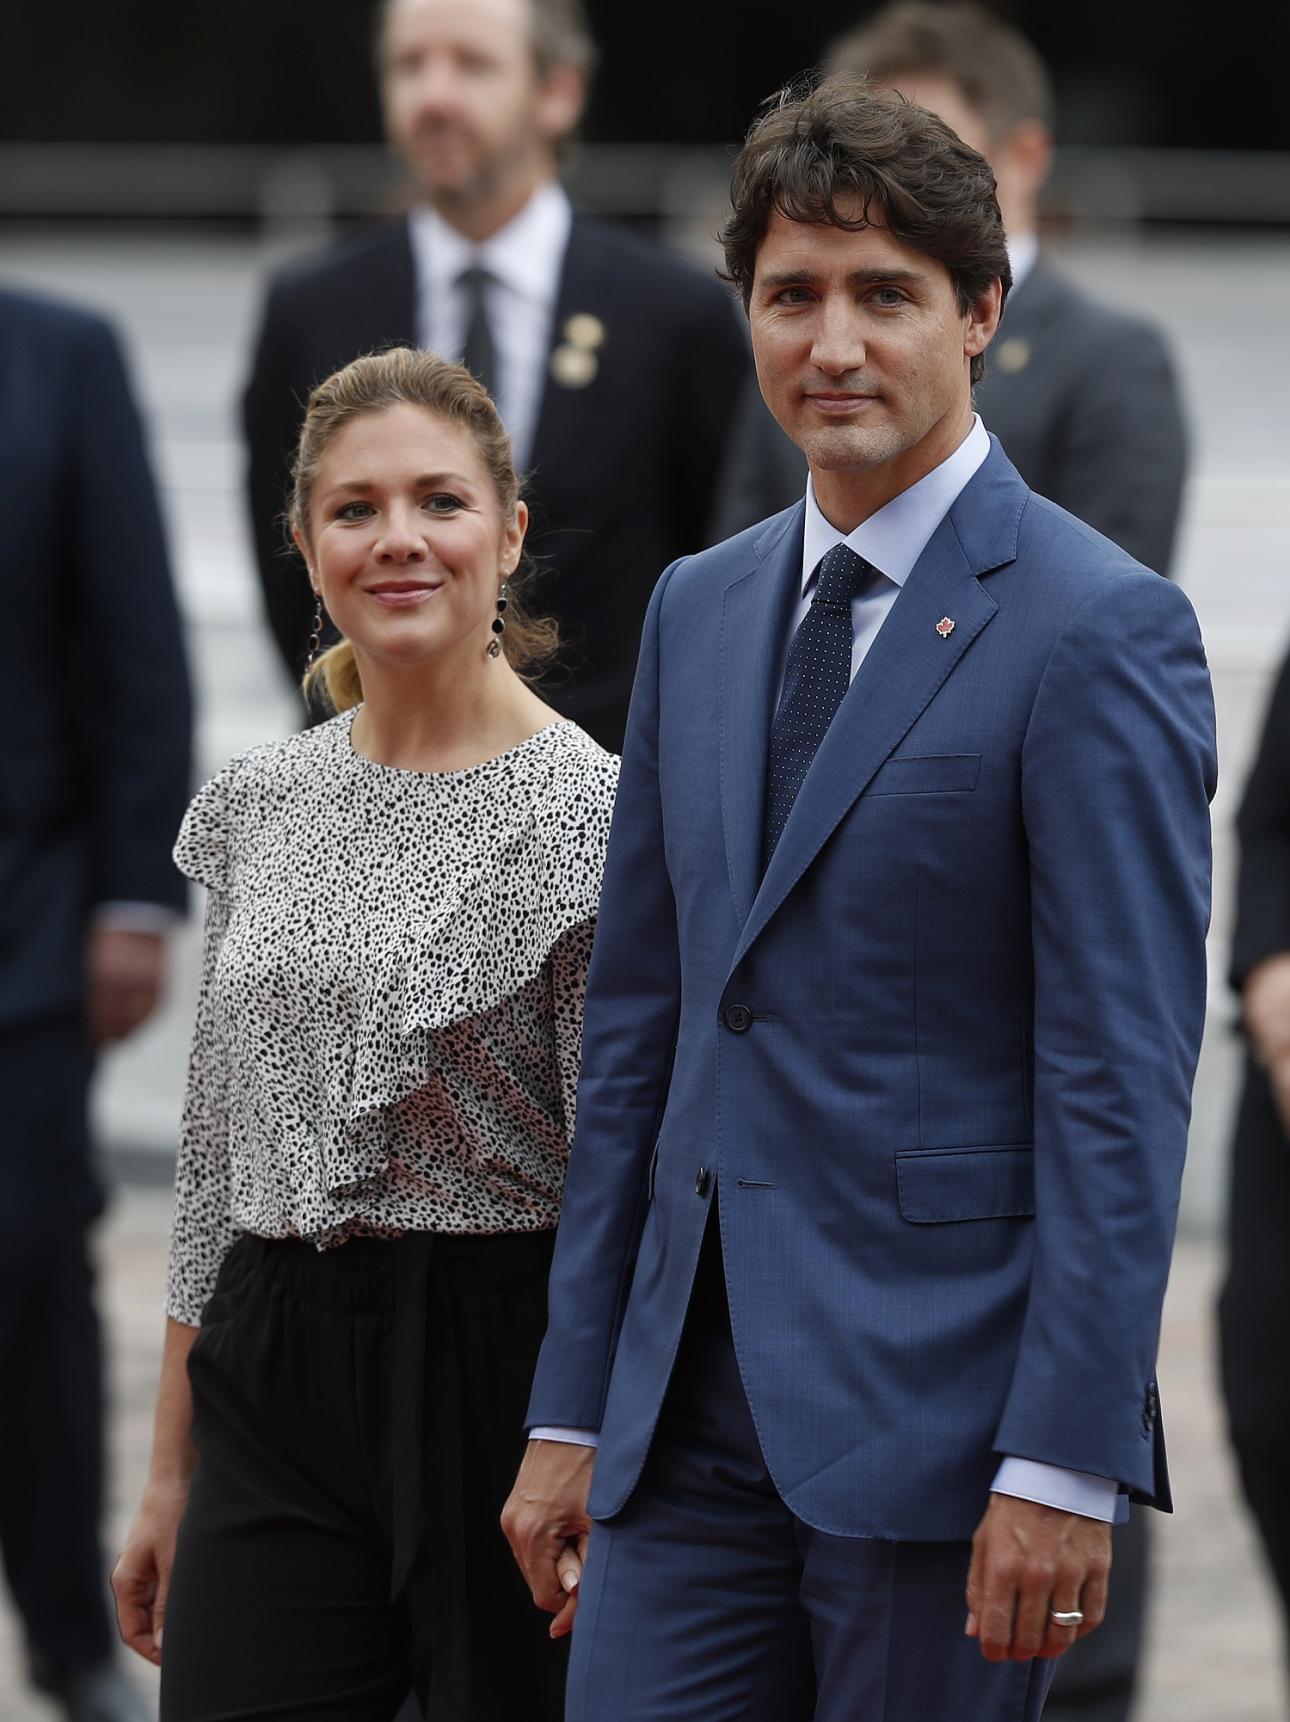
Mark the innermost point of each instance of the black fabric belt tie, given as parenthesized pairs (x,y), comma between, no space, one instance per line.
(427,1431)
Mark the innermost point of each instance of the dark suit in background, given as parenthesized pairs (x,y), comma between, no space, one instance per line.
(94,777)
(1082,396)
(1254,1311)
(624,466)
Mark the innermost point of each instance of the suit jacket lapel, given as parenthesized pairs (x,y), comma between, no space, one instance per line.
(754,628)
(907,663)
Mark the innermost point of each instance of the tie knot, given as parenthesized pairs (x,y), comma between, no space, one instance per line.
(840,577)
(473,280)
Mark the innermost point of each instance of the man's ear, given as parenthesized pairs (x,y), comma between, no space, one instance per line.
(1031,145)
(983,320)
(561,99)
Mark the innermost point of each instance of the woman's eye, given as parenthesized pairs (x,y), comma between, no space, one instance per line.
(354,511)
(442,503)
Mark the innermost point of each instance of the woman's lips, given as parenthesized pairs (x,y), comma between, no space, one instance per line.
(401,597)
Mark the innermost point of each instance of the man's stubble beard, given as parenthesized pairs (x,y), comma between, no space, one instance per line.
(491,177)
(839,448)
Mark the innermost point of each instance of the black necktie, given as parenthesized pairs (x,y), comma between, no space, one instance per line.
(816,676)
(478,353)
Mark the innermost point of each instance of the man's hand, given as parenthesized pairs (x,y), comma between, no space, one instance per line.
(546,1524)
(125,970)
(1028,1559)
(1265,1003)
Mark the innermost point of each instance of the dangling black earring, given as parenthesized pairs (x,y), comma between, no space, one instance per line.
(315,639)
(499,624)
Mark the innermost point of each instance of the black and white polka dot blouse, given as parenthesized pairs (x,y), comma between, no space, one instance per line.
(390,1016)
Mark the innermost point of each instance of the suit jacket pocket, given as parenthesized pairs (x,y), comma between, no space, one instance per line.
(927,774)
(939,1184)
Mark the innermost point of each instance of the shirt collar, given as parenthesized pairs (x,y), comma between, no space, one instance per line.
(526,255)
(1023,254)
(893,538)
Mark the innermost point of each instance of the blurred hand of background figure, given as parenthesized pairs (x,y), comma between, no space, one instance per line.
(1266,1007)
(125,972)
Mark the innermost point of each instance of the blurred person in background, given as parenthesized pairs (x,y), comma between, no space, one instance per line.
(94,777)
(1254,1311)
(1082,395)
(616,366)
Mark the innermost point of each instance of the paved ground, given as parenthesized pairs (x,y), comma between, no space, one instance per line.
(187,305)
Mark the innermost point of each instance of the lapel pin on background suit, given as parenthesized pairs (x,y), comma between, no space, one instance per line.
(1013,355)
(574,363)
(945,627)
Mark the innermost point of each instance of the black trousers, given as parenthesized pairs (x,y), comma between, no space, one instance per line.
(1254,1321)
(358,1415)
(51,1478)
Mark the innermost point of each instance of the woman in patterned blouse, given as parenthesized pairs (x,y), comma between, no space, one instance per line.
(380,1101)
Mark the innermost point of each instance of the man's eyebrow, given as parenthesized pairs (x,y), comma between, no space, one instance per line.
(857,277)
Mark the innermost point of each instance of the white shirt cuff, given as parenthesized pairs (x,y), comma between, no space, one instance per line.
(136,917)
(1071,1491)
(575,1437)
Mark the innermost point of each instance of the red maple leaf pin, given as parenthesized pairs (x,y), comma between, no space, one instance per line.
(945,627)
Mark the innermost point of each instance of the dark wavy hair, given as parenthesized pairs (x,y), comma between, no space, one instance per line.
(839,151)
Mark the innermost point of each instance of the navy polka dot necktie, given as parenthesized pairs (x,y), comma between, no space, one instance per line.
(816,676)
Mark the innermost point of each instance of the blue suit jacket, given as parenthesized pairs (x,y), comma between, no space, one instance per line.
(94,767)
(937,1062)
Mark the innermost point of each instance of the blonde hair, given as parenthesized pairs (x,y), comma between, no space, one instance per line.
(404,376)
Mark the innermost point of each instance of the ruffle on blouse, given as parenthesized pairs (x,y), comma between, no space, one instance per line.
(485,942)
(201,850)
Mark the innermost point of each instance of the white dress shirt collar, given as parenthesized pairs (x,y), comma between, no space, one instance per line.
(893,538)
(526,256)
(1023,254)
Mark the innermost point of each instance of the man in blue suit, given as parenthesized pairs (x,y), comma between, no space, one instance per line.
(891,1024)
(94,778)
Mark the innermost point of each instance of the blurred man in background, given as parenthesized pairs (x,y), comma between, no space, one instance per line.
(616,367)
(1082,396)
(1254,1313)
(94,778)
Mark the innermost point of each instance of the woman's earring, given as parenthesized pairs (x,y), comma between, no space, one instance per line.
(315,638)
(499,624)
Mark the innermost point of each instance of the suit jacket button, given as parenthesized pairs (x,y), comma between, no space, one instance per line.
(738,1018)
(701,1182)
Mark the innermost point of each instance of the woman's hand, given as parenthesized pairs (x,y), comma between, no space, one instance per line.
(141,1577)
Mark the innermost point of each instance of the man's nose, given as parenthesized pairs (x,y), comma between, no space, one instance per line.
(437,85)
(839,338)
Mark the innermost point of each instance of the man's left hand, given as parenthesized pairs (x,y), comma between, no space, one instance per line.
(125,970)
(1029,1561)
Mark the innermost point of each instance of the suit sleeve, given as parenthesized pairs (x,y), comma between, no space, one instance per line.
(1263,825)
(711,370)
(1118,766)
(135,710)
(1123,456)
(628,1036)
(273,409)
